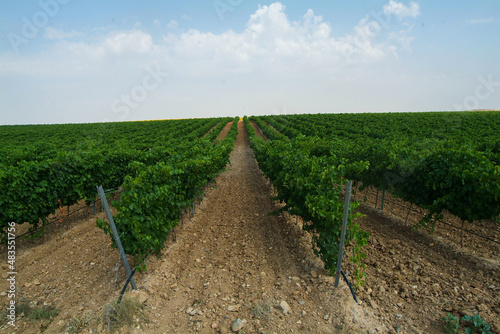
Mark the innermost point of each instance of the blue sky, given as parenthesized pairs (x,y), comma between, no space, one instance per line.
(73,61)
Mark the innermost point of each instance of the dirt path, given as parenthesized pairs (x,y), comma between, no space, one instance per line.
(233,261)
(258,131)
(224,131)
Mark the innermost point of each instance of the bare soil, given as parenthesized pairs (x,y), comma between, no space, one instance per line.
(224,131)
(414,279)
(230,260)
(258,131)
(477,238)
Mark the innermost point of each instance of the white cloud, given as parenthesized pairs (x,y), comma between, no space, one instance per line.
(55,34)
(157,23)
(270,43)
(402,11)
(274,58)
(134,41)
(172,24)
(481,21)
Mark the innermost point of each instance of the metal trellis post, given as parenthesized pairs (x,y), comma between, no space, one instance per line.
(116,236)
(344,228)
(383,200)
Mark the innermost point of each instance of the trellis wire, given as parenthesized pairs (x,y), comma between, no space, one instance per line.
(418,212)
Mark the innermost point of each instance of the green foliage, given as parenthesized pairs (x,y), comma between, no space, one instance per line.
(359,239)
(153,199)
(438,161)
(451,324)
(310,183)
(471,324)
(161,166)
(479,326)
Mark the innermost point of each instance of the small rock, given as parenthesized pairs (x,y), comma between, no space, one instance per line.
(463,312)
(195,312)
(214,325)
(4,275)
(233,308)
(36,282)
(373,304)
(237,325)
(285,307)
(140,295)
(314,274)
(482,308)
(399,316)
(189,310)
(328,279)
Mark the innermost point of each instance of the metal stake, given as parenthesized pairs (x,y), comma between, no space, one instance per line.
(104,201)
(383,199)
(342,234)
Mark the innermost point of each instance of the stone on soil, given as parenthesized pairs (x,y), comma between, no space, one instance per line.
(237,325)
(285,307)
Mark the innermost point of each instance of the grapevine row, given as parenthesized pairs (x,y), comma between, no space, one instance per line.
(154,196)
(38,178)
(310,184)
(438,161)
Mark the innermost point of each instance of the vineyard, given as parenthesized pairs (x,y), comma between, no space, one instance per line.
(160,165)
(245,246)
(438,161)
